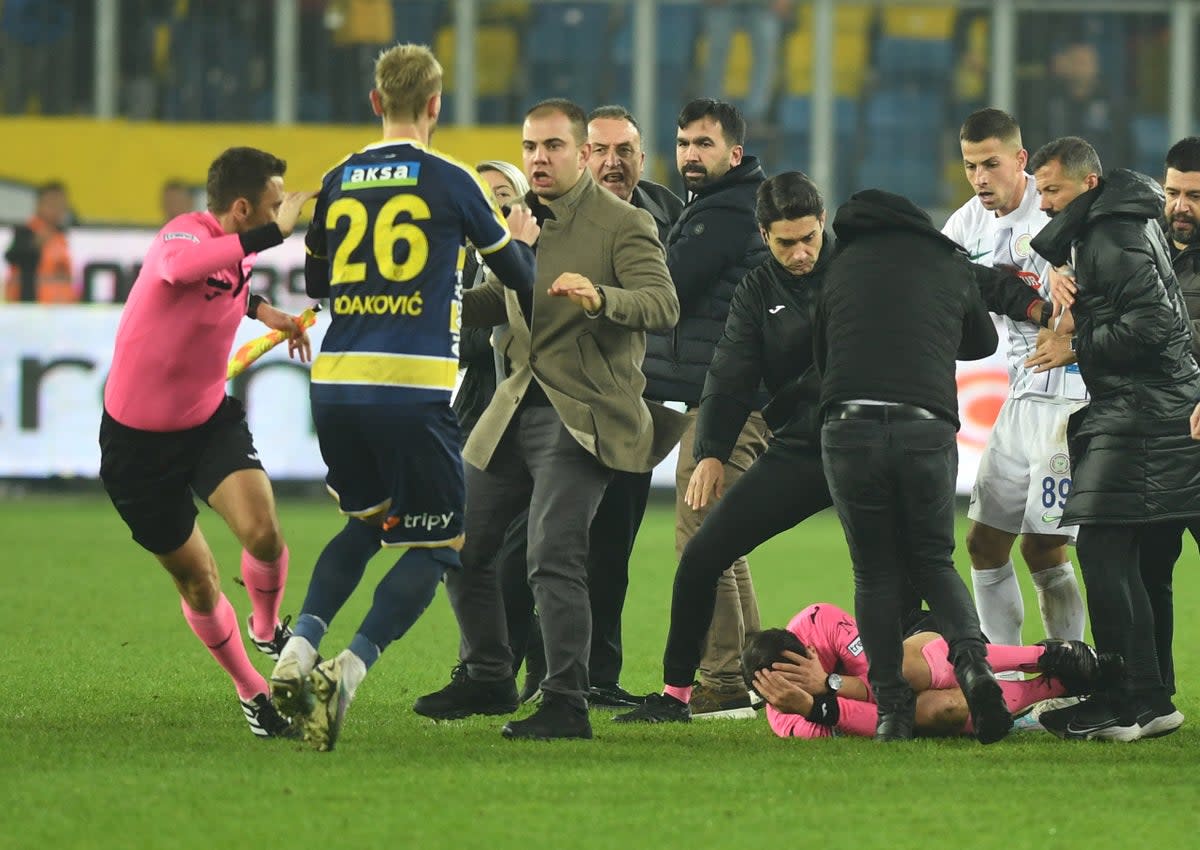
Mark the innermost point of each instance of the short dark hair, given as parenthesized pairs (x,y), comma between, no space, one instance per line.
(733,125)
(573,111)
(789,195)
(762,649)
(1078,157)
(1184,155)
(990,123)
(50,186)
(174,183)
(241,173)
(616,113)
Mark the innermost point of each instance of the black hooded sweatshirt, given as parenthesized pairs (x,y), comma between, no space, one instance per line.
(900,303)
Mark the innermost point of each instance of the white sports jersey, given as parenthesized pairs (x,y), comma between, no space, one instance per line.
(993,240)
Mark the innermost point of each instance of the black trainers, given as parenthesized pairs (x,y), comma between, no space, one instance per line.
(274,645)
(1072,662)
(1158,721)
(265,721)
(658,708)
(989,713)
(612,696)
(555,718)
(465,696)
(1097,719)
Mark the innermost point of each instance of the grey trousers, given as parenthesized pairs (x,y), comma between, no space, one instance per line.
(539,465)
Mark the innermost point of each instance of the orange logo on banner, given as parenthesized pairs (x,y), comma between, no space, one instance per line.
(980,395)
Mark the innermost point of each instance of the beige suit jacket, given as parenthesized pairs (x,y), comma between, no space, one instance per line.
(590,369)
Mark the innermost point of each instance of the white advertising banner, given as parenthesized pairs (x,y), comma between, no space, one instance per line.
(54,361)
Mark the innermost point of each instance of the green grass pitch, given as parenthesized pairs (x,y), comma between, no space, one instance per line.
(118,731)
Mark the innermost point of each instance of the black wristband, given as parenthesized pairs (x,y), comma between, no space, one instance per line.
(825,710)
(253,304)
(1047,314)
(261,238)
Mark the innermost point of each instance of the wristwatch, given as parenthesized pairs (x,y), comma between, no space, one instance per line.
(833,683)
(1073,344)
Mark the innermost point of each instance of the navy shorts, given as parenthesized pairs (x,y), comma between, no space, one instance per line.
(150,476)
(403,460)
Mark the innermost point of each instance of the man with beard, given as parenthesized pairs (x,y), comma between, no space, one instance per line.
(1135,468)
(710,248)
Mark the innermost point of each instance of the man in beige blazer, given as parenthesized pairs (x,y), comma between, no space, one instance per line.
(570,412)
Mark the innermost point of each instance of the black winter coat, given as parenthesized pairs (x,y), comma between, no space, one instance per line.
(768,339)
(900,303)
(478,358)
(710,249)
(1132,457)
(664,206)
(1187,269)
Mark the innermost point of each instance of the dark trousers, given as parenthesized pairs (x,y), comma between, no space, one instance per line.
(539,464)
(893,484)
(781,489)
(610,547)
(1159,552)
(1120,566)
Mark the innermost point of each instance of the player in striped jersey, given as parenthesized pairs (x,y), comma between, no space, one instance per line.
(386,246)
(1024,475)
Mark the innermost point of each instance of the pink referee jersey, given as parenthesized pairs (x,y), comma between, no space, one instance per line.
(177,328)
(834,633)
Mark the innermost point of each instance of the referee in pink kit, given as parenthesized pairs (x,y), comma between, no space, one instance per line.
(169,430)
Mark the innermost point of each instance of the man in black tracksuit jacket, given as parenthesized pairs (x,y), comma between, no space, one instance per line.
(1136,471)
(768,338)
(899,304)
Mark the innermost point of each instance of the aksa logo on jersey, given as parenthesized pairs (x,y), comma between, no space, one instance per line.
(374,176)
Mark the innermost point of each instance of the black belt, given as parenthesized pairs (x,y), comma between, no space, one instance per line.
(879,412)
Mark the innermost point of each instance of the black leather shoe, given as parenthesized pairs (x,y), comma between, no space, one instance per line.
(989,713)
(556,718)
(612,696)
(465,696)
(895,725)
(657,708)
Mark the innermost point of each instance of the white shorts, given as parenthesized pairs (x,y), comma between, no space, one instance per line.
(1025,473)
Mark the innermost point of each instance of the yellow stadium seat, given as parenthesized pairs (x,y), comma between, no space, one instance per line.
(855,18)
(737,68)
(496,49)
(850,62)
(504,10)
(930,22)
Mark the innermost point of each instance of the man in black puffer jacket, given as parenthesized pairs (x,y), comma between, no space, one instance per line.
(709,249)
(1136,472)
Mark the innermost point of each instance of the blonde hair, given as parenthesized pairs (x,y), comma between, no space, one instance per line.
(509,172)
(406,76)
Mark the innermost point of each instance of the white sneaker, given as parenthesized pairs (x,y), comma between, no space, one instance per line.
(332,694)
(289,679)
(1052,704)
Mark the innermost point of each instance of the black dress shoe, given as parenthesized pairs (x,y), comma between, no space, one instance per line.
(555,718)
(895,725)
(465,696)
(989,713)
(612,696)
